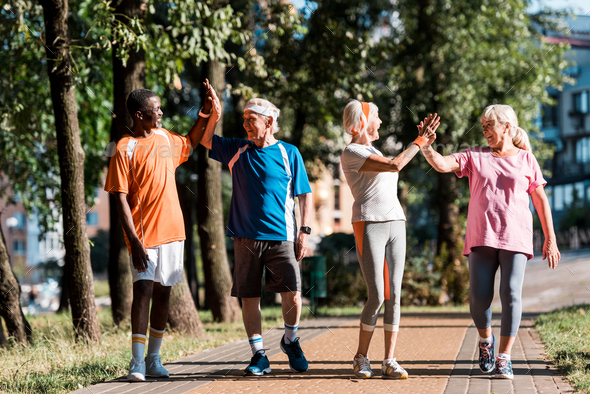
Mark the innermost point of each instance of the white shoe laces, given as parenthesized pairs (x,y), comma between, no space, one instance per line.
(394,365)
(363,362)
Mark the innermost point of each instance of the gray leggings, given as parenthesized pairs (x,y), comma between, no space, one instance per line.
(382,241)
(483,264)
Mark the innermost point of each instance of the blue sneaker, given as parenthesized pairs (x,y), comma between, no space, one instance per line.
(259,365)
(487,360)
(503,368)
(297,361)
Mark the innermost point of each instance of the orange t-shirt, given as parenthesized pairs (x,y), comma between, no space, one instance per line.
(150,184)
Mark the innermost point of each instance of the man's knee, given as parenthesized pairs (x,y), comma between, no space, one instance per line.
(291,297)
(161,294)
(143,289)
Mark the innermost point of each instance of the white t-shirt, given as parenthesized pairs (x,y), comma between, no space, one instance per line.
(375,193)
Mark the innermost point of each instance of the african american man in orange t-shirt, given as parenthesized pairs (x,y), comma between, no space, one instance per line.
(141,176)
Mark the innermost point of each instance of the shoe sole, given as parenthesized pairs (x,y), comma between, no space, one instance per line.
(135,378)
(363,377)
(263,372)
(490,371)
(504,377)
(157,376)
(290,367)
(405,376)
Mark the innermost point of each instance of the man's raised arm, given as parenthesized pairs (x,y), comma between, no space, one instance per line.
(207,137)
(200,126)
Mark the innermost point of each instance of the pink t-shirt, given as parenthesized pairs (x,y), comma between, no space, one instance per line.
(499,214)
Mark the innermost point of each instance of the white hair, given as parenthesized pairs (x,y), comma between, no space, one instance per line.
(353,117)
(502,114)
(266,104)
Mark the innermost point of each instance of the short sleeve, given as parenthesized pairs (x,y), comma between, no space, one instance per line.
(224,149)
(181,148)
(117,180)
(464,160)
(354,158)
(301,181)
(535,176)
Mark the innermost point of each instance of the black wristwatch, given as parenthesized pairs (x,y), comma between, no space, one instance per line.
(305,229)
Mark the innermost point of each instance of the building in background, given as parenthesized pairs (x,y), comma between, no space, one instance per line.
(567,125)
(21,233)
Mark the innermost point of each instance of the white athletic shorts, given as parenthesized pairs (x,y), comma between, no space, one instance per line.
(165,265)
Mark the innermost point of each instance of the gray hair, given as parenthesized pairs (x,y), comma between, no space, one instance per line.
(353,117)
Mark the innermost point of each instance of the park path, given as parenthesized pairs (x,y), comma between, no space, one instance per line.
(439,350)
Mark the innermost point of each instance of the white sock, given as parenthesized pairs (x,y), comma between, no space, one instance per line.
(290,333)
(155,341)
(488,340)
(505,356)
(388,360)
(255,343)
(138,346)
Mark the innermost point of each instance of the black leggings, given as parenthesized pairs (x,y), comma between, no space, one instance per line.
(483,264)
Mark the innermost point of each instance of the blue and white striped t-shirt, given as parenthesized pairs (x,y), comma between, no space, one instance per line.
(265,181)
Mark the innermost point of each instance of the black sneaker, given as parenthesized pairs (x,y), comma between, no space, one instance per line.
(297,361)
(487,361)
(259,364)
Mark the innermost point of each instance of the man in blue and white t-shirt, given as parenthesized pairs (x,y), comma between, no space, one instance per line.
(267,174)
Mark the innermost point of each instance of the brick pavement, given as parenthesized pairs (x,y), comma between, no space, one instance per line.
(439,350)
(427,346)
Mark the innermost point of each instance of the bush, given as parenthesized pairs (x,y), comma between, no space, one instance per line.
(575,217)
(421,286)
(346,285)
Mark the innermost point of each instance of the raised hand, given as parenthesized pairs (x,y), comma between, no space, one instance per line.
(427,128)
(208,104)
(211,100)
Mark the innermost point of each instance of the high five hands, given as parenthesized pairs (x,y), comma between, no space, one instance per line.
(212,104)
(427,128)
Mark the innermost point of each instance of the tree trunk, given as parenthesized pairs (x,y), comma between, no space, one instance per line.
(218,280)
(64,297)
(71,164)
(183,316)
(2,336)
(187,194)
(17,326)
(449,251)
(125,80)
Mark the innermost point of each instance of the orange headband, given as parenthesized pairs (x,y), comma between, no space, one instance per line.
(366,110)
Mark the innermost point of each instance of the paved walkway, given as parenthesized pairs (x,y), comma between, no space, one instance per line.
(437,349)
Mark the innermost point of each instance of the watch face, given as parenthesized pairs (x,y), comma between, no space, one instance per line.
(306,229)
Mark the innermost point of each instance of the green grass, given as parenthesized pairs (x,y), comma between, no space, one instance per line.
(101,288)
(55,363)
(566,333)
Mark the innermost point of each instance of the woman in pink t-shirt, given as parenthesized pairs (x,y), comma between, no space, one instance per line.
(499,225)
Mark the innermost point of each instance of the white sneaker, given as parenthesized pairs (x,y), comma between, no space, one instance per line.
(392,370)
(136,370)
(362,367)
(154,366)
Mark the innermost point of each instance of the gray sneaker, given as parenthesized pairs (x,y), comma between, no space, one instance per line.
(392,370)
(154,366)
(136,370)
(362,367)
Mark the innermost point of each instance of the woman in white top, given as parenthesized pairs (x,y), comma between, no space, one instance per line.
(379,227)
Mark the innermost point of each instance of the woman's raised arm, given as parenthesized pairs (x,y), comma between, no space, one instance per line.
(439,162)
(376,163)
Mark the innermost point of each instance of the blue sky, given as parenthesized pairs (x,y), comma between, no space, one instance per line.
(581,7)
